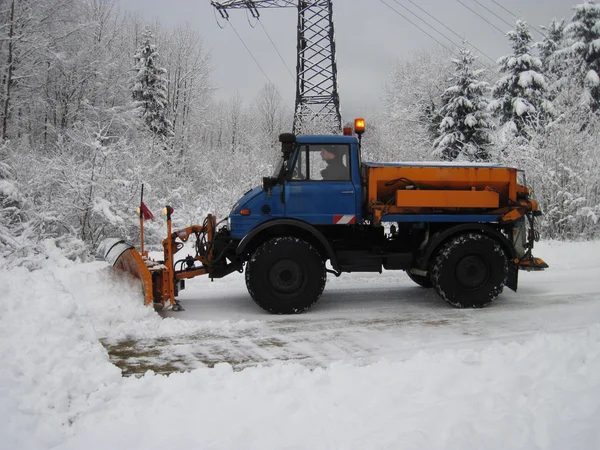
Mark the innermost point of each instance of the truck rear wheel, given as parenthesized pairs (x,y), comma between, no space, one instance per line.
(286,275)
(470,271)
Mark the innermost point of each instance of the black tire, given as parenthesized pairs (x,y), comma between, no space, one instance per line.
(420,279)
(286,275)
(470,271)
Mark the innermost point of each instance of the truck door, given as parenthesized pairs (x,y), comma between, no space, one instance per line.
(320,190)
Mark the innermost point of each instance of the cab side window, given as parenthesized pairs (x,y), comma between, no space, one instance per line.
(326,162)
(329,162)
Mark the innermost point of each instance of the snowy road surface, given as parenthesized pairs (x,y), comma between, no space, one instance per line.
(378,362)
(364,317)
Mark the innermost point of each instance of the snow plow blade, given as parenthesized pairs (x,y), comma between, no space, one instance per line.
(162,280)
(126,258)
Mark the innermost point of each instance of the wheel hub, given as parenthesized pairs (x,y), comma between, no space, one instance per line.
(472,271)
(286,276)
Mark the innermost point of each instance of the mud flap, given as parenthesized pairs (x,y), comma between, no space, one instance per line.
(513,276)
(126,258)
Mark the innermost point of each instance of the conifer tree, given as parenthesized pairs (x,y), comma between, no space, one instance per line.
(150,88)
(585,32)
(465,129)
(521,96)
(551,50)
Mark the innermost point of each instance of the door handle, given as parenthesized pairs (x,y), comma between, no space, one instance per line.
(347,192)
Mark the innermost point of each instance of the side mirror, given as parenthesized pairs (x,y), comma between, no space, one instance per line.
(287,144)
(268,183)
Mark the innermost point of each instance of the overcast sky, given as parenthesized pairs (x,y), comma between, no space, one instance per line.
(369,37)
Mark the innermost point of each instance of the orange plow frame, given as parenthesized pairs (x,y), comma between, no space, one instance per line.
(160,280)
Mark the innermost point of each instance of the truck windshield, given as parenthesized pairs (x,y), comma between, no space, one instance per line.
(278,167)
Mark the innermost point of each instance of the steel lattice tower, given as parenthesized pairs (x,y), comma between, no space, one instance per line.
(317,107)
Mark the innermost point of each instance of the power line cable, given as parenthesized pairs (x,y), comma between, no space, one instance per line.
(417,26)
(517,17)
(504,8)
(452,31)
(436,30)
(482,18)
(257,63)
(440,33)
(430,26)
(493,13)
(277,51)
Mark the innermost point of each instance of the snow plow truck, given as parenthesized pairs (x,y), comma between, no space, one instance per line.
(464,230)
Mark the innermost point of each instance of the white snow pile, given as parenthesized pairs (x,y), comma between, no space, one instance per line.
(592,78)
(58,389)
(522,106)
(531,78)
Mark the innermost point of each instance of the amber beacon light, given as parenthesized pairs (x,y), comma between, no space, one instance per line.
(359,126)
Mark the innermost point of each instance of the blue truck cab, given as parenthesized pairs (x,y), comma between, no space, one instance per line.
(302,189)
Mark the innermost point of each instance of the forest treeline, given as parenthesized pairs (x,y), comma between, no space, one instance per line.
(94,102)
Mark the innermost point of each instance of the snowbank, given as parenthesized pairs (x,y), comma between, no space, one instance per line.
(57,387)
(541,394)
(51,359)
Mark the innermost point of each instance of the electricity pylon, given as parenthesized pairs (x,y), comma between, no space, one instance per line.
(317,107)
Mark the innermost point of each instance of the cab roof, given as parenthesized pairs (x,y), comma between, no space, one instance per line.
(326,139)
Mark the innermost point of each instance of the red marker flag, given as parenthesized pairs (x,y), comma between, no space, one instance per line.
(146,213)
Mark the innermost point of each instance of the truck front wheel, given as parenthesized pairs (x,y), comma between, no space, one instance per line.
(470,270)
(285,275)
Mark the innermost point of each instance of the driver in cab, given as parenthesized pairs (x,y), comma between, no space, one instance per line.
(335,170)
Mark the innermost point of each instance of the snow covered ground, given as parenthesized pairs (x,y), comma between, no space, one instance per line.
(377,363)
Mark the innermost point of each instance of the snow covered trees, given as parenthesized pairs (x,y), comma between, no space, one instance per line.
(150,88)
(553,56)
(73,152)
(560,155)
(76,125)
(465,130)
(272,116)
(411,105)
(11,209)
(584,30)
(520,96)
(186,61)
(552,42)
